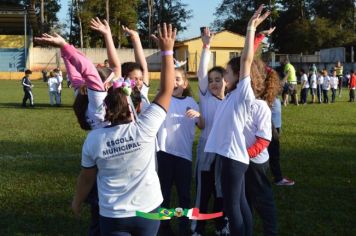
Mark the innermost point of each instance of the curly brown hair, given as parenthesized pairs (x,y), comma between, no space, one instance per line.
(265,83)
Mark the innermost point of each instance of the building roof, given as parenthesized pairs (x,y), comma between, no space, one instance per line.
(184,42)
(12,18)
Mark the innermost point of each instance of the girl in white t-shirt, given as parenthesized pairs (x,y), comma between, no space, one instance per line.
(258,134)
(53,84)
(88,81)
(326,86)
(305,87)
(320,81)
(211,93)
(313,85)
(175,142)
(334,81)
(137,71)
(121,156)
(226,137)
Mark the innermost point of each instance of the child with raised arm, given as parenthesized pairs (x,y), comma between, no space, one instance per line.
(137,70)
(122,155)
(87,80)
(211,93)
(88,83)
(226,138)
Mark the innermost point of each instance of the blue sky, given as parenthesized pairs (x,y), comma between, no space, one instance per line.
(203,11)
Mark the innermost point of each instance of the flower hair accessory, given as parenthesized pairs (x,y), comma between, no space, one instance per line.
(126,85)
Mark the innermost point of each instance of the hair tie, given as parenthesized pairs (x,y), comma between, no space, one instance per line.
(126,85)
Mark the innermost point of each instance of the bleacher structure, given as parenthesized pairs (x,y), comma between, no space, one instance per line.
(17,24)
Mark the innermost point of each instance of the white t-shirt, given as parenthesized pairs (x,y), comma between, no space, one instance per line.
(176,135)
(326,82)
(320,80)
(144,97)
(60,80)
(125,157)
(334,81)
(208,103)
(277,113)
(313,84)
(258,124)
(52,84)
(95,114)
(226,137)
(304,79)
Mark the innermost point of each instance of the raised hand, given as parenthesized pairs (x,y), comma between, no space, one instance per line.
(207,36)
(268,32)
(56,40)
(257,19)
(166,37)
(100,26)
(130,32)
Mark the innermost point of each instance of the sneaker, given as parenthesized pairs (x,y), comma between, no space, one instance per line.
(196,234)
(285,182)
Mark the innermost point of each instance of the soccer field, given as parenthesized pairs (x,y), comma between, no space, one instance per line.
(40,151)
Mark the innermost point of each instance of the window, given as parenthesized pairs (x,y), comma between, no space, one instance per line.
(234,54)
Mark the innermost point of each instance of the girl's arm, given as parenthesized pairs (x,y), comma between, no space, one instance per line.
(207,38)
(139,54)
(165,41)
(248,51)
(82,64)
(85,182)
(104,28)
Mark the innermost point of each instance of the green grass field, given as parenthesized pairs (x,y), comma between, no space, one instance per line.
(40,152)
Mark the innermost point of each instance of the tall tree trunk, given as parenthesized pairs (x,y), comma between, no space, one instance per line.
(71,22)
(80,24)
(42,16)
(150,7)
(107,10)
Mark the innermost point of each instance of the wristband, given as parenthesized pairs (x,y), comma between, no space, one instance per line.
(166,53)
(206,46)
(251,28)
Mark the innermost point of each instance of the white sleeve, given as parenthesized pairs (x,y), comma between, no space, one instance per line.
(87,158)
(244,99)
(144,90)
(263,121)
(203,71)
(151,119)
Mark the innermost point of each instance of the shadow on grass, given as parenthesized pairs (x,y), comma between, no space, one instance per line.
(37,106)
(43,220)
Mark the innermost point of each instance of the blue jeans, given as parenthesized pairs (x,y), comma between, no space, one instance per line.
(135,226)
(260,196)
(234,199)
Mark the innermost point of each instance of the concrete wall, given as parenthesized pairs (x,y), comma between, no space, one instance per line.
(49,58)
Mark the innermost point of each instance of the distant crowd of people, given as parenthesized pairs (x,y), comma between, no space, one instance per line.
(318,83)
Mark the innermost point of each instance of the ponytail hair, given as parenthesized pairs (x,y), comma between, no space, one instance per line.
(264,82)
(117,106)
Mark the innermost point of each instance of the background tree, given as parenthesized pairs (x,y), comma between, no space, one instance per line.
(174,12)
(302,25)
(119,13)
